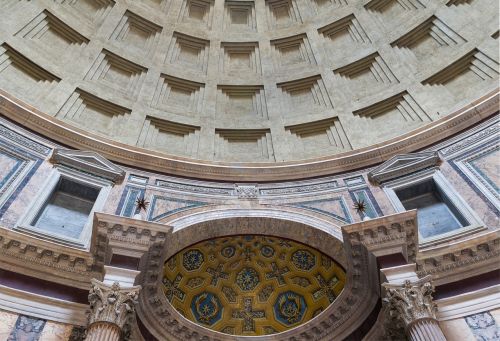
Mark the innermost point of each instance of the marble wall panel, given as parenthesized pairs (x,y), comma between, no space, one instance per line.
(483,326)
(27,328)
(162,206)
(15,327)
(7,325)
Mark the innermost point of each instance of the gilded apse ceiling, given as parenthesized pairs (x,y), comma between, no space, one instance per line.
(251,285)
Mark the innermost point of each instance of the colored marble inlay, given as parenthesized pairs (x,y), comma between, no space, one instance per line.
(161,206)
(127,206)
(9,165)
(372,208)
(334,207)
(27,328)
(488,167)
(483,326)
(251,285)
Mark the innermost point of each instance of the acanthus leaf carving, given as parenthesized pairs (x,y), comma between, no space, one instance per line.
(410,301)
(112,304)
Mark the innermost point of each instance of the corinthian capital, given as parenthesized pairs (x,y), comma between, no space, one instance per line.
(410,301)
(112,304)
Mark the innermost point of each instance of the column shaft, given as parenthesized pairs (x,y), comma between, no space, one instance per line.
(425,330)
(103,331)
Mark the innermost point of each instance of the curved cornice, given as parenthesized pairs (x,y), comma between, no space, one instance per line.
(63,133)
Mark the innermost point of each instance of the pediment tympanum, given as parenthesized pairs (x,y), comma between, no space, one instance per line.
(403,164)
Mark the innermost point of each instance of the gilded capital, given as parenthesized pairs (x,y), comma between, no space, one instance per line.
(410,301)
(112,304)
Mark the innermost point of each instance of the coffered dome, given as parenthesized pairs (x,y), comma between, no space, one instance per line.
(248,81)
(251,285)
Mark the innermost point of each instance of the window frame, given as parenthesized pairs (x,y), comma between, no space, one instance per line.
(474,222)
(26,222)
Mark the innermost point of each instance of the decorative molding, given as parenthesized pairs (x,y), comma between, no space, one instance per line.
(457,260)
(23,302)
(474,302)
(128,234)
(23,141)
(390,234)
(305,188)
(363,157)
(475,176)
(44,259)
(404,164)
(246,191)
(454,147)
(194,189)
(88,162)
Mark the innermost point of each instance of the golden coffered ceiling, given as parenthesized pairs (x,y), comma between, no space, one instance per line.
(251,285)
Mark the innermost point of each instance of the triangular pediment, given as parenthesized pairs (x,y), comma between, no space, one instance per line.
(89,162)
(403,164)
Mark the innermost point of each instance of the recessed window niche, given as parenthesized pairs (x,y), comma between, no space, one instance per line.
(414,181)
(63,209)
(67,209)
(436,213)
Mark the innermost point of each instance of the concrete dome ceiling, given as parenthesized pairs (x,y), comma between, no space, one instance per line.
(249,81)
(251,285)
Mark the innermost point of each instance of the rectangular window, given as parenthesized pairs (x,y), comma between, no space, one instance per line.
(67,209)
(436,213)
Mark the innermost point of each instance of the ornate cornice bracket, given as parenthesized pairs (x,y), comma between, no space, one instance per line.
(396,233)
(128,234)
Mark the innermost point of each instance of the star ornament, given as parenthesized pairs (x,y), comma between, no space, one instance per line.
(360,206)
(142,204)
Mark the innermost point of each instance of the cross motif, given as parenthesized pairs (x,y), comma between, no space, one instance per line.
(326,288)
(247,253)
(217,274)
(277,273)
(171,288)
(284,243)
(248,315)
(211,243)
